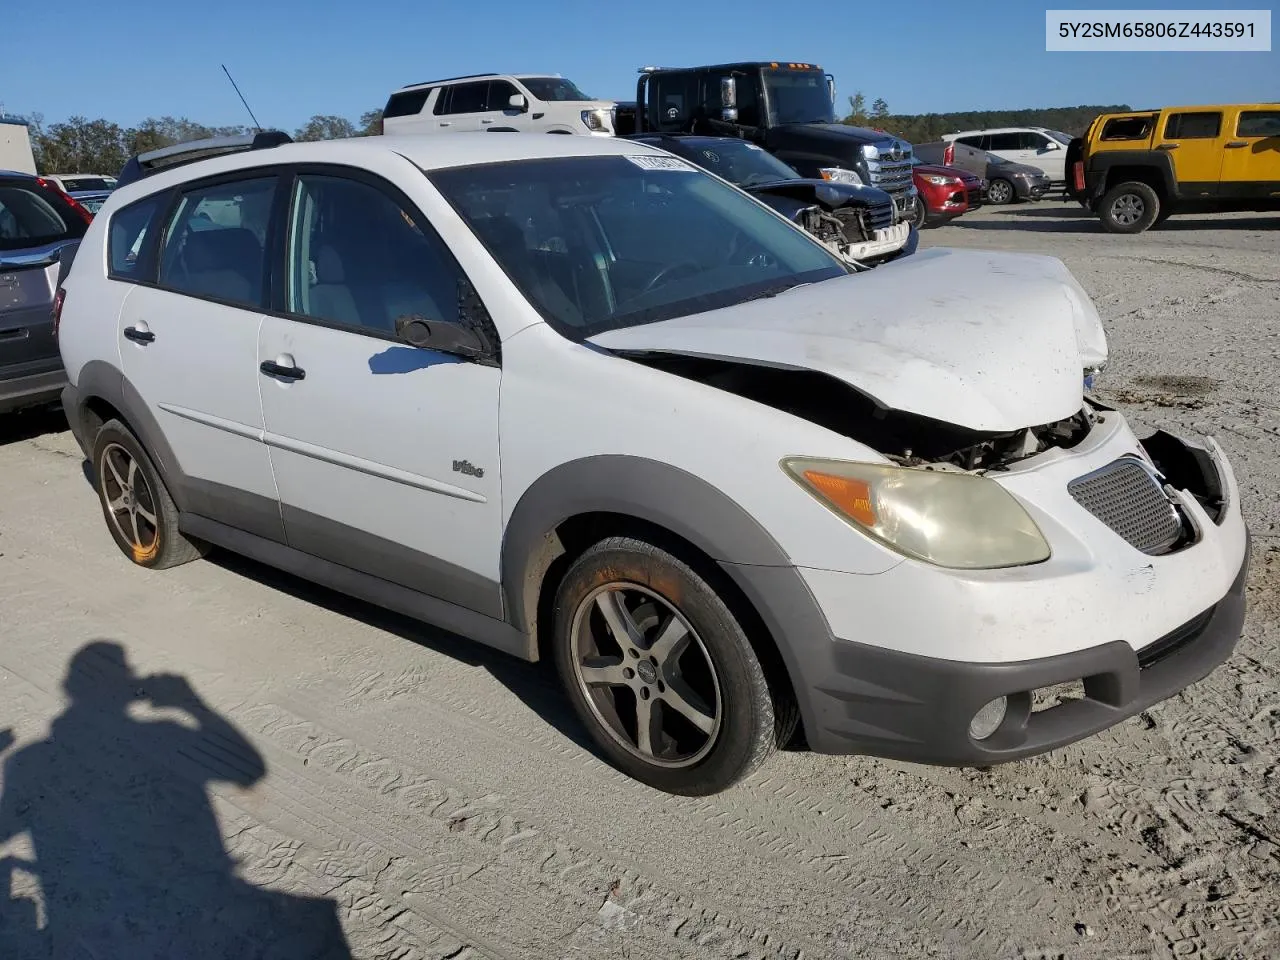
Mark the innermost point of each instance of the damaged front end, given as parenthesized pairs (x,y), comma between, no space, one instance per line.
(907,439)
(861,230)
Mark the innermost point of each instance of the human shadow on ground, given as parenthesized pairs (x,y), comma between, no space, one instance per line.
(127,851)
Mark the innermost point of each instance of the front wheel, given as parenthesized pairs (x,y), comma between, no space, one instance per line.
(1000,192)
(920,218)
(660,671)
(1129,208)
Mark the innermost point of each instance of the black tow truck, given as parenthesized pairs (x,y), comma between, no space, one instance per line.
(786,108)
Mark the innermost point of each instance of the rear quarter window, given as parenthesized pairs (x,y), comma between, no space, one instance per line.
(408,103)
(1126,128)
(1259,123)
(127,236)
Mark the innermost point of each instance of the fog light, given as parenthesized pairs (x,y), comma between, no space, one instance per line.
(987,720)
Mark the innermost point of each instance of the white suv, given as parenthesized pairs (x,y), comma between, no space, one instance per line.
(1035,146)
(576,398)
(525,103)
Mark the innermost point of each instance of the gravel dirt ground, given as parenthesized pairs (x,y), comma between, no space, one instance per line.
(220,761)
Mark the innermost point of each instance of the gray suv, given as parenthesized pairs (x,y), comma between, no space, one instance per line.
(38,222)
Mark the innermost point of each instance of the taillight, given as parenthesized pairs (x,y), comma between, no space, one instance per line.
(58,299)
(949,154)
(1077,174)
(81,210)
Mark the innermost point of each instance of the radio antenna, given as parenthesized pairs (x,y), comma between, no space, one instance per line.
(241,96)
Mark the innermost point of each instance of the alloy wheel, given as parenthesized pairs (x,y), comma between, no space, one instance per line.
(999,192)
(130,503)
(1128,209)
(646,675)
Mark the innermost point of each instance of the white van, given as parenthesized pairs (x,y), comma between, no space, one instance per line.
(524,103)
(1037,146)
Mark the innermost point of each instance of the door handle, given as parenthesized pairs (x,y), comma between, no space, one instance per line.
(138,336)
(486,120)
(1237,143)
(446,123)
(273,369)
(1167,146)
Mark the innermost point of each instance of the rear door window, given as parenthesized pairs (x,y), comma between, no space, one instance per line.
(215,245)
(32,216)
(1005,141)
(1126,128)
(1192,126)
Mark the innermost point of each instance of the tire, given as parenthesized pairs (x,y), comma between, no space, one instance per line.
(920,219)
(1000,191)
(682,646)
(1129,207)
(140,515)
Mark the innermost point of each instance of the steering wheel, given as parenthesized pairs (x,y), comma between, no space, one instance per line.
(668,273)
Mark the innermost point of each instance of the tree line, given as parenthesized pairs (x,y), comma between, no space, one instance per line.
(927,127)
(80,145)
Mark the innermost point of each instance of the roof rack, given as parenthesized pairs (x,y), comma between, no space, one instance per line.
(468,76)
(179,154)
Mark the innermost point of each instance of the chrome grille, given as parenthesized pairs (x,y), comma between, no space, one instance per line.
(1129,499)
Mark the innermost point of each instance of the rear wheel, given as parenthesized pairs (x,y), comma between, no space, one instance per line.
(141,516)
(1000,191)
(1130,207)
(660,671)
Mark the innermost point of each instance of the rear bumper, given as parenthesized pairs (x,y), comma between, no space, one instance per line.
(31,390)
(908,707)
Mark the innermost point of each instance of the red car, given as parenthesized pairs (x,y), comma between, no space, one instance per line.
(945,193)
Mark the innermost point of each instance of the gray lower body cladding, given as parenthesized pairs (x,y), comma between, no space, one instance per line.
(860,699)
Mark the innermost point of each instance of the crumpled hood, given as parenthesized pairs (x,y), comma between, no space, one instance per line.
(985,340)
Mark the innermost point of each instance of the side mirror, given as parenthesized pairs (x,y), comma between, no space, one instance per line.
(1053,145)
(436,335)
(728,99)
(831,88)
(517,101)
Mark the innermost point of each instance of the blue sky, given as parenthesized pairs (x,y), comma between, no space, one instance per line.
(295,58)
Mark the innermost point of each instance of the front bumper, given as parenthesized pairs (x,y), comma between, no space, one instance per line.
(908,656)
(887,241)
(1030,189)
(908,707)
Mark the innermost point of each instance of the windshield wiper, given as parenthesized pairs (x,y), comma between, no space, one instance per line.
(773,291)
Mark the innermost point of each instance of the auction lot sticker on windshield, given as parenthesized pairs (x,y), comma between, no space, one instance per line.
(660,163)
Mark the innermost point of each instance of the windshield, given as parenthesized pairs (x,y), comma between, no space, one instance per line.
(1062,138)
(798,96)
(599,243)
(553,89)
(737,161)
(33,217)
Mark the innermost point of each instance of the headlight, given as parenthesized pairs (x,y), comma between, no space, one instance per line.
(595,120)
(956,520)
(938,180)
(840,175)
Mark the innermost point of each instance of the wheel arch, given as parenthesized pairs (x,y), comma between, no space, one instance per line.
(578,503)
(102,393)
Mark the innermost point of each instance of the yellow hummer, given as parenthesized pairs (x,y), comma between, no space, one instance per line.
(1137,169)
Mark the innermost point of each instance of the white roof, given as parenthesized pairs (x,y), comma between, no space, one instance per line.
(971,133)
(426,151)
